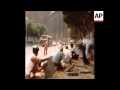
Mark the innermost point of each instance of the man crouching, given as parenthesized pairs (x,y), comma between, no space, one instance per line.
(32,66)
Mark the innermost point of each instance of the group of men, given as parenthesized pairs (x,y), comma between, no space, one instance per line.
(33,64)
(65,56)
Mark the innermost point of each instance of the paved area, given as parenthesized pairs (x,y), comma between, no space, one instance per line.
(51,50)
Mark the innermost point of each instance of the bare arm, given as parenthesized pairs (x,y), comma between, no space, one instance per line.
(35,61)
(42,60)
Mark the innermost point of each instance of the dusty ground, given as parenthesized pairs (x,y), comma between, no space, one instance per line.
(62,75)
(77,63)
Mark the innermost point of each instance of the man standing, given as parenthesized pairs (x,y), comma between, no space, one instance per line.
(86,47)
(31,65)
(46,47)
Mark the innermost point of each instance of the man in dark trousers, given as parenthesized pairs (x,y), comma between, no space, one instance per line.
(75,52)
(86,47)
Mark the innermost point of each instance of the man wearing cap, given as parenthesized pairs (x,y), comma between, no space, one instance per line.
(58,58)
(31,65)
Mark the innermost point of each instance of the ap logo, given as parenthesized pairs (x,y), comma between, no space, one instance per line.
(98,16)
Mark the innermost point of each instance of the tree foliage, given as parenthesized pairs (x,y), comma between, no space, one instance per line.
(79,22)
(35,29)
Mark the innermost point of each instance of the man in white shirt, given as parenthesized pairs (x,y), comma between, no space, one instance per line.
(68,56)
(86,46)
(31,65)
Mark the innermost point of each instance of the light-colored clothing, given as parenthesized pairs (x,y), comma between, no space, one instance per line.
(58,57)
(59,46)
(79,41)
(76,50)
(68,54)
(87,43)
(71,49)
(29,65)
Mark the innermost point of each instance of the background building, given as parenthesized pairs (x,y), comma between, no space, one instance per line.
(53,21)
(58,29)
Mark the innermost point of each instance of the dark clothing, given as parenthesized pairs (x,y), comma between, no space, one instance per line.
(85,60)
(58,65)
(74,56)
(57,59)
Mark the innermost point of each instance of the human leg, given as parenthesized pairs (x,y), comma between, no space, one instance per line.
(46,51)
(85,61)
(58,66)
(76,56)
(70,61)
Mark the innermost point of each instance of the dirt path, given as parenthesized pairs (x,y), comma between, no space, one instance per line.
(62,75)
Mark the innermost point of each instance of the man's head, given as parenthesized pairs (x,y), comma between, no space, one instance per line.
(66,47)
(35,50)
(61,48)
(71,45)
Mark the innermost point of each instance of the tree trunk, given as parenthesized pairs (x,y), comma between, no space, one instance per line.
(34,40)
(27,38)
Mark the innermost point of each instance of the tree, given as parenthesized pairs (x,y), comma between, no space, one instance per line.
(81,21)
(42,30)
(72,32)
(35,30)
(29,28)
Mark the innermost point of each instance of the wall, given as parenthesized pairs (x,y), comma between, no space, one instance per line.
(58,29)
